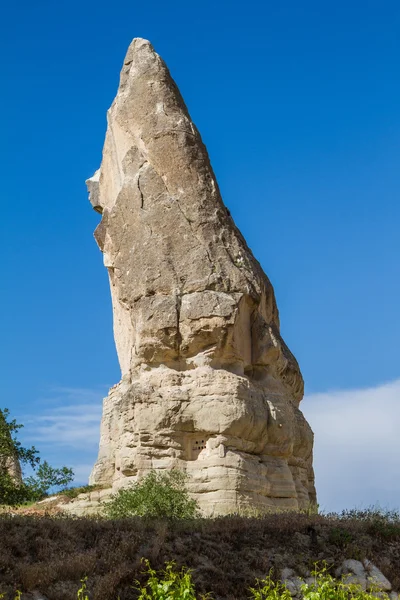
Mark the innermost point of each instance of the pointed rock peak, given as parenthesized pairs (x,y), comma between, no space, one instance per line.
(208,383)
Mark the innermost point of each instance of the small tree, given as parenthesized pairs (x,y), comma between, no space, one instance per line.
(13,489)
(11,449)
(48,477)
(159,495)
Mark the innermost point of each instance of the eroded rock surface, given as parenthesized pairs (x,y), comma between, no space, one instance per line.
(208,384)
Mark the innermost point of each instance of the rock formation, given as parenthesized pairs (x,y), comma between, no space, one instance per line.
(9,462)
(13,468)
(208,384)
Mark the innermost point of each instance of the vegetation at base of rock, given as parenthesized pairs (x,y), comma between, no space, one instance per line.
(158,495)
(73,492)
(225,555)
(13,489)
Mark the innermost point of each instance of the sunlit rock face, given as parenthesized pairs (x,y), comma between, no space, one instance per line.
(208,384)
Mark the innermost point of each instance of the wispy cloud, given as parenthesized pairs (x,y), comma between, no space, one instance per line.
(65,426)
(75,426)
(67,417)
(357,446)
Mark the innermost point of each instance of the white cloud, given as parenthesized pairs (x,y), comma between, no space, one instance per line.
(357,446)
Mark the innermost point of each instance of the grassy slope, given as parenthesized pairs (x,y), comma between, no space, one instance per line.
(51,554)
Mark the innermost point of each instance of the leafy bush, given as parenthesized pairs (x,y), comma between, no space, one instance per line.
(158,495)
(170,584)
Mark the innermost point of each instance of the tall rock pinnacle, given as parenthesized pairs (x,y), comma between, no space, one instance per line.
(208,384)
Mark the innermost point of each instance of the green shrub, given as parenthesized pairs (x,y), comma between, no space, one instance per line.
(325,587)
(158,495)
(170,584)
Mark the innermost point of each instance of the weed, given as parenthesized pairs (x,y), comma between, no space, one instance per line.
(268,589)
(82,593)
(170,584)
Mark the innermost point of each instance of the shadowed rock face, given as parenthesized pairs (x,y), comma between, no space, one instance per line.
(9,464)
(208,384)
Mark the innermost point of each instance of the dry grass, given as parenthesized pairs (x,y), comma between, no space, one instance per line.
(52,553)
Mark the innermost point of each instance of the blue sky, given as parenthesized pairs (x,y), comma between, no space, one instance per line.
(298,104)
